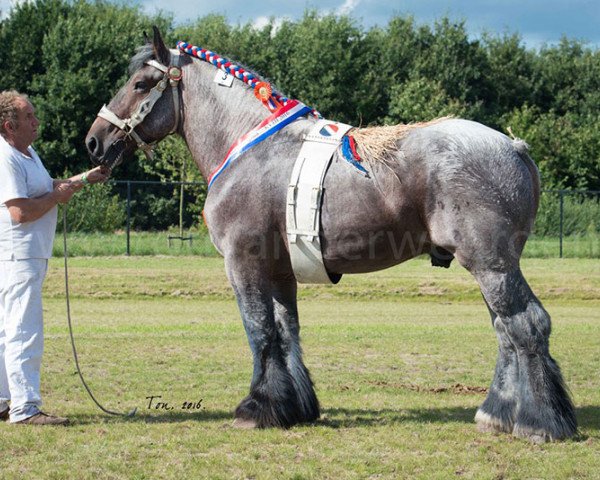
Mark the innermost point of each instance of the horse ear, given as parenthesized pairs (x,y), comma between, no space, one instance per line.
(146,38)
(160,50)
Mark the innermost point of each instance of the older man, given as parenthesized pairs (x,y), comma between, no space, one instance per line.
(28,211)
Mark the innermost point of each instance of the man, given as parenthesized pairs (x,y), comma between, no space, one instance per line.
(28,211)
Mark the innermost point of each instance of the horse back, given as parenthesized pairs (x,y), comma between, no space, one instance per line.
(439,181)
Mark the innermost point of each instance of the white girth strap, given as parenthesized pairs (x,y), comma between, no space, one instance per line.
(305,191)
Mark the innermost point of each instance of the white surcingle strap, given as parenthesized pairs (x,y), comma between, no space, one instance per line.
(304,198)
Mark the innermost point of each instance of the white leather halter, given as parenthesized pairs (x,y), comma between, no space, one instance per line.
(172,76)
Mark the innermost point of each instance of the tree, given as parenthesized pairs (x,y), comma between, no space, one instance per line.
(173,162)
(85,57)
(566,78)
(71,56)
(321,63)
(22,37)
(566,149)
(510,72)
(421,99)
(448,56)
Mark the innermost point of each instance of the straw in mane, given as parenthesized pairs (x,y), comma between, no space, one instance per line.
(374,143)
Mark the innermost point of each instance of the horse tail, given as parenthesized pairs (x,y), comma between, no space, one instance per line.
(522,150)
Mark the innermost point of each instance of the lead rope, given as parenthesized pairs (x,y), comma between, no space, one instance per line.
(132,412)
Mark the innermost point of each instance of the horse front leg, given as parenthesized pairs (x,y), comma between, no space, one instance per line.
(273,400)
(286,320)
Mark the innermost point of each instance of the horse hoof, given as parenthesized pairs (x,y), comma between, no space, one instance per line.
(244,423)
(488,424)
(532,435)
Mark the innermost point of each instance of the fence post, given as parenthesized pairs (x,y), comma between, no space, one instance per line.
(562,211)
(128,217)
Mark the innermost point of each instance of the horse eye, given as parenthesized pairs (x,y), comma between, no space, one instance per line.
(141,86)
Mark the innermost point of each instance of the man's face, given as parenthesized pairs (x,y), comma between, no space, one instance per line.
(26,129)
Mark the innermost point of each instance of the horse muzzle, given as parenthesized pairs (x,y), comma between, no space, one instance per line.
(111,157)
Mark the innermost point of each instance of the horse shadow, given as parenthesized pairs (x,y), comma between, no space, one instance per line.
(588,417)
(148,416)
(361,417)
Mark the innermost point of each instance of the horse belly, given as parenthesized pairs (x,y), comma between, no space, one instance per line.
(366,243)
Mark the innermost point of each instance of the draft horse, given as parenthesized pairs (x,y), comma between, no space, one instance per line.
(451,188)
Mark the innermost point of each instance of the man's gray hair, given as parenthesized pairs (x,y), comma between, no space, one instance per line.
(8,108)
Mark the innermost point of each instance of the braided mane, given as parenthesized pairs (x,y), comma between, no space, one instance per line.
(373,143)
(238,71)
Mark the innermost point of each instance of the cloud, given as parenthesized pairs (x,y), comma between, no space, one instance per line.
(6,5)
(348,7)
(262,21)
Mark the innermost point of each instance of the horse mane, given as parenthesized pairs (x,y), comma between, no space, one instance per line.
(146,52)
(374,143)
(142,55)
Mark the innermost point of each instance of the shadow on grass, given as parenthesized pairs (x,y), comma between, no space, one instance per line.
(149,416)
(588,417)
(346,418)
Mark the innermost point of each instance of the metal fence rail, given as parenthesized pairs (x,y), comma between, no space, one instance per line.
(131,183)
(563,213)
(561,201)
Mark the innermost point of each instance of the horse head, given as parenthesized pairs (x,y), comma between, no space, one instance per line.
(144,111)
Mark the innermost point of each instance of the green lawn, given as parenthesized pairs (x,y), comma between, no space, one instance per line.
(400,359)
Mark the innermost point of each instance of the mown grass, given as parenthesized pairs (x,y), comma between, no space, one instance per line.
(140,243)
(400,358)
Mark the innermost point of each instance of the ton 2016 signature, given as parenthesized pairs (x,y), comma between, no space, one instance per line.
(154,403)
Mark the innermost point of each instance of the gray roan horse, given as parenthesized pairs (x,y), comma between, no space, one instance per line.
(451,188)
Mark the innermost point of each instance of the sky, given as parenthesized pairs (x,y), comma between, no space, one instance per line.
(538,22)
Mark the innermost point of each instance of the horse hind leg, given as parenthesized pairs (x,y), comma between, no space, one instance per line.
(498,411)
(528,394)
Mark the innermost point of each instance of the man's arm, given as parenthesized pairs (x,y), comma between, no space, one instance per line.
(95,175)
(30,209)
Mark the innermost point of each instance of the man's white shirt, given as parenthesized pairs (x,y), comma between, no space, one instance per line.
(23,176)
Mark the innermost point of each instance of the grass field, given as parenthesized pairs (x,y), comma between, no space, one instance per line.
(400,358)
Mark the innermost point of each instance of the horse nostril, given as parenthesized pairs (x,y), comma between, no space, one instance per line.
(92,145)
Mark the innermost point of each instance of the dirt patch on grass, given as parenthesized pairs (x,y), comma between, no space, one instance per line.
(456,389)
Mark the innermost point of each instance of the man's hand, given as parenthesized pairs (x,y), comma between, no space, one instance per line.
(30,209)
(64,191)
(98,175)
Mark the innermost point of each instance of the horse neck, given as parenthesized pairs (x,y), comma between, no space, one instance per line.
(215,116)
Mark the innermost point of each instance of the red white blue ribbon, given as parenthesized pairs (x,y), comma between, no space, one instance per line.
(270,125)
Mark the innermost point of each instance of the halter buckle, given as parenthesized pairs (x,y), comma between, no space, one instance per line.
(162,85)
(127,128)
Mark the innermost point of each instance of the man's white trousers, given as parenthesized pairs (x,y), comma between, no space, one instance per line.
(21,335)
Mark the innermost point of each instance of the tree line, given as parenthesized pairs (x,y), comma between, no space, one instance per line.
(72,56)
